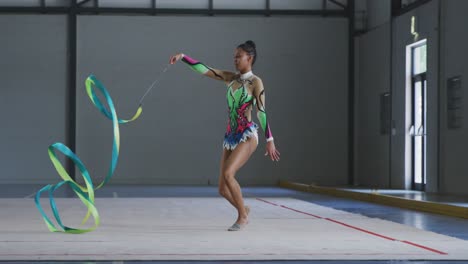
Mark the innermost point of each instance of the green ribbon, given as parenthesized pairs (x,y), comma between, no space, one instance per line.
(85,193)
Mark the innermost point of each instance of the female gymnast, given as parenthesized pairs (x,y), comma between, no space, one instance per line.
(244,90)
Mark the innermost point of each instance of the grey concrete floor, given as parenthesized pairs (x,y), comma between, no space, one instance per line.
(451,226)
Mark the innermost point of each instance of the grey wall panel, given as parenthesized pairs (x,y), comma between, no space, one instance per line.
(427,17)
(19,3)
(125,4)
(303,64)
(455,41)
(200,4)
(298,4)
(374,79)
(32,95)
(242,4)
(378,13)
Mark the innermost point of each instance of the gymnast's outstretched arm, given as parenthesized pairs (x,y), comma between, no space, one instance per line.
(201,68)
(259,93)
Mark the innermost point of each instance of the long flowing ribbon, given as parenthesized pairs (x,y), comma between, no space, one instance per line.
(86,194)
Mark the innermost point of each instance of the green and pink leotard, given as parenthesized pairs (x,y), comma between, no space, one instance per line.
(239,127)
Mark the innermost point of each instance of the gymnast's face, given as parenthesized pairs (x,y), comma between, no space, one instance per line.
(242,60)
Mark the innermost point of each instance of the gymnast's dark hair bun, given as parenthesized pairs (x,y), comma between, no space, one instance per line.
(251,49)
(250,43)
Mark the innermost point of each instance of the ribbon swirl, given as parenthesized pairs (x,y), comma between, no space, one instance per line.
(85,193)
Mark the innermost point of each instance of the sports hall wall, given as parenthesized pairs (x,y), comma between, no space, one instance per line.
(33,75)
(177,140)
(454,142)
(381,161)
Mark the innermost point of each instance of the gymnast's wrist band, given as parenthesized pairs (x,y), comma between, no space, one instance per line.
(269,139)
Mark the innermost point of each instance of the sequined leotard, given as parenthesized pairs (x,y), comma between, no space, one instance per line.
(240,102)
(239,127)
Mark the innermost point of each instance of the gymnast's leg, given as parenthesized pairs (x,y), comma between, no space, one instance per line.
(235,160)
(222,187)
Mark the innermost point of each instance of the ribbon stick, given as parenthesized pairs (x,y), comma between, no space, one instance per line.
(85,193)
(154,83)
